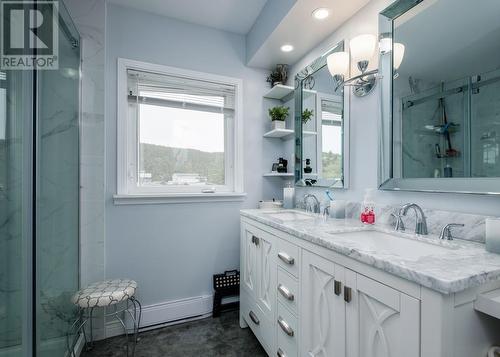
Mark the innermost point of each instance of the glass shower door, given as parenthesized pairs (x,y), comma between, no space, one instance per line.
(15,213)
(39,202)
(57,194)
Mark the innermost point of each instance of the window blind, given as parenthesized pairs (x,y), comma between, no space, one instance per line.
(180,92)
(331,113)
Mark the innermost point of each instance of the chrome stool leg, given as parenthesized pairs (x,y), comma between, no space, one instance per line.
(116,314)
(137,304)
(76,327)
(90,344)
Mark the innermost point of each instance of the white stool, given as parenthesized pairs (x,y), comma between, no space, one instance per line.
(106,294)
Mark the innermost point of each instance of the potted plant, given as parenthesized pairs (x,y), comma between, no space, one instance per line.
(278,116)
(279,75)
(307,115)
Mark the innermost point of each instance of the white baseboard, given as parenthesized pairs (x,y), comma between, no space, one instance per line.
(167,313)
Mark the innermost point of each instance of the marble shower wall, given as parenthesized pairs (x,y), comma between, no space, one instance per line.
(90,18)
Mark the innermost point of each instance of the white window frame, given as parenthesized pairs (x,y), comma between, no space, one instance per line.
(128,191)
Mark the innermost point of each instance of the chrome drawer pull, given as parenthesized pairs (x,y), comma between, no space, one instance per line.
(254,318)
(285,292)
(285,327)
(280,353)
(337,287)
(347,294)
(286,258)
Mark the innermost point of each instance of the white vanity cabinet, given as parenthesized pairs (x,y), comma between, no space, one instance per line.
(258,283)
(302,299)
(323,312)
(347,314)
(379,320)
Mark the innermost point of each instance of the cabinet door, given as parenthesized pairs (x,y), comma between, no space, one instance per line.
(322,313)
(249,260)
(266,273)
(380,321)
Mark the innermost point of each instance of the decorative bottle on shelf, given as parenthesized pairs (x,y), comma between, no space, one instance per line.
(368,208)
(308,169)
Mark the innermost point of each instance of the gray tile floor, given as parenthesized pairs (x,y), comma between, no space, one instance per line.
(210,337)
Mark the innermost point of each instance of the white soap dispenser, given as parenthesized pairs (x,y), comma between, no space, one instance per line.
(288,196)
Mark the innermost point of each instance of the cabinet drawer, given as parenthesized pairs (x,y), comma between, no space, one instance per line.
(288,257)
(260,324)
(287,327)
(288,290)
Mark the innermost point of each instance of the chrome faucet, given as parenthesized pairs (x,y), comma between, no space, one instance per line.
(446,232)
(421,223)
(314,208)
(399,225)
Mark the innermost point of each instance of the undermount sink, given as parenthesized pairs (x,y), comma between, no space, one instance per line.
(384,243)
(289,216)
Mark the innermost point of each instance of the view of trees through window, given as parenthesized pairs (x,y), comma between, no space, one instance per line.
(180,147)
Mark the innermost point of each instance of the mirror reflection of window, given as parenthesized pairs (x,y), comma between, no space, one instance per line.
(331,139)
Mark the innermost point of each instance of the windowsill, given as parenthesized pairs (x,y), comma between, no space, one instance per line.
(145,199)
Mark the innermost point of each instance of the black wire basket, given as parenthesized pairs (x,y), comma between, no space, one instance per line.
(225,285)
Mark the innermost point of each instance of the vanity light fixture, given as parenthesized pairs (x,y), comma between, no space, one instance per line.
(321,13)
(286,48)
(338,66)
(399,52)
(362,49)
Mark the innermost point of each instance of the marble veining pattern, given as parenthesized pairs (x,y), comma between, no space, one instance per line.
(473,230)
(465,264)
(90,19)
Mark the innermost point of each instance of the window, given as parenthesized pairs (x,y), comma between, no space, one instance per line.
(331,139)
(178,132)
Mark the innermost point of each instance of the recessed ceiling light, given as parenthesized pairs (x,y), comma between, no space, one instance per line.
(287,48)
(321,13)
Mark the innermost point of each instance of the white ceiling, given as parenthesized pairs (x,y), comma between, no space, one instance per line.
(299,29)
(236,16)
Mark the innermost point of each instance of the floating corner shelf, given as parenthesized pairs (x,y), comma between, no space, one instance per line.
(279,133)
(309,133)
(279,91)
(278,174)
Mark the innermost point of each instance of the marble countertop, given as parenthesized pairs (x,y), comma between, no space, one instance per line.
(462,265)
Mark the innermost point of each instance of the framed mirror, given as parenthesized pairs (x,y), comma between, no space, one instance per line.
(321,126)
(440,67)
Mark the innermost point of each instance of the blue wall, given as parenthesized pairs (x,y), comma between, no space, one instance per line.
(172,250)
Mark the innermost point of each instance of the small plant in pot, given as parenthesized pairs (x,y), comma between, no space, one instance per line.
(279,75)
(307,115)
(278,116)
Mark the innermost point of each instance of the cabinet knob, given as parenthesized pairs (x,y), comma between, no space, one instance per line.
(285,327)
(337,287)
(347,294)
(285,292)
(255,240)
(286,258)
(254,318)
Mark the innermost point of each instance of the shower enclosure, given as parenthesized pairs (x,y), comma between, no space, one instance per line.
(39,201)
(453,129)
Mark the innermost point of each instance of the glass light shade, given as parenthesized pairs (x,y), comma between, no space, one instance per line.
(385,45)
(362,47)
(399,52)
(338,63)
